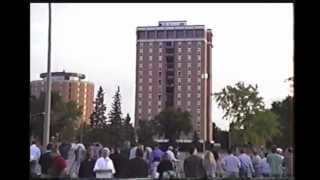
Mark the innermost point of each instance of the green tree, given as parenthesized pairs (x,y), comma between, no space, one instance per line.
(98,118)
(36,117)
(64,116)
(92,135)
(116,121)
(145,132)
(264,127)
(220,136)
(170,123)
(195,138)
(72,120)
(129,132)
(284,110)
(97,131)
(240,103)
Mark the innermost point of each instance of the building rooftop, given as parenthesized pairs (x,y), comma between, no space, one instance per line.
(172,23)
(166,25)
(65,75)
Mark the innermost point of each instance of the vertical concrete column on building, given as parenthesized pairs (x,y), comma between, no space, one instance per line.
(85,101)
(78,94)
(204,76)
(145,34)
(208,36)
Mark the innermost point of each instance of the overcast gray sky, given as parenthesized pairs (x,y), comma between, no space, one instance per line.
(252,43)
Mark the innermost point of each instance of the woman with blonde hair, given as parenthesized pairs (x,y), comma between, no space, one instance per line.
(209,164)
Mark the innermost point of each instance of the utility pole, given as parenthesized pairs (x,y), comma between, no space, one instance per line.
(46,128)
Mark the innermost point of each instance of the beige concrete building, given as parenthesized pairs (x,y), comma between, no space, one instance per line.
(173,68)
(71,87)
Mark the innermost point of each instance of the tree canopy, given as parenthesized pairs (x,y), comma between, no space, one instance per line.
(98,118)
(146,132)
(129,132)
(115,126)
(284,111)
(115,129)
(250,121)
(65,116)
(240,103)
(170,123)
(264,127)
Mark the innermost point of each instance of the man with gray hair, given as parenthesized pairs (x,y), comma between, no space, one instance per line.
(104,167)
(171,155)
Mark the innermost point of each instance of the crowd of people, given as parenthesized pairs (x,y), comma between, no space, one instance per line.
(77,160)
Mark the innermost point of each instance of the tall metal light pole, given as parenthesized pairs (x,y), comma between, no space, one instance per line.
(46,127)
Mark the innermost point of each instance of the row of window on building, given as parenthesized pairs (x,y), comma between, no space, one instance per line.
(179,58)
(160,50)
(168,34)
(178,102)
(150,73)
(140,94)
(169,43)
(149,112)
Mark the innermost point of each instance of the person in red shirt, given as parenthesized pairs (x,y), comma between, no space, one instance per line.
(58,168)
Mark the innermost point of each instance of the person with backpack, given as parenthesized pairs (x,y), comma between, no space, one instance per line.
(165,167)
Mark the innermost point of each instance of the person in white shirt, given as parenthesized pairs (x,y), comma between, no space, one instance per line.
(256,162)
(279,151)
(132,154)
(104,167)
(35,154)
(171,155)
(134,149)
(231,165)
(264,166)
(246,169)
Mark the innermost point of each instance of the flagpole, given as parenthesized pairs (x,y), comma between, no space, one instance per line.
(46,132)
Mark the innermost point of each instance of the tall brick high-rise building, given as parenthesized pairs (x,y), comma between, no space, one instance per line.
(70,86)
(173,68)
